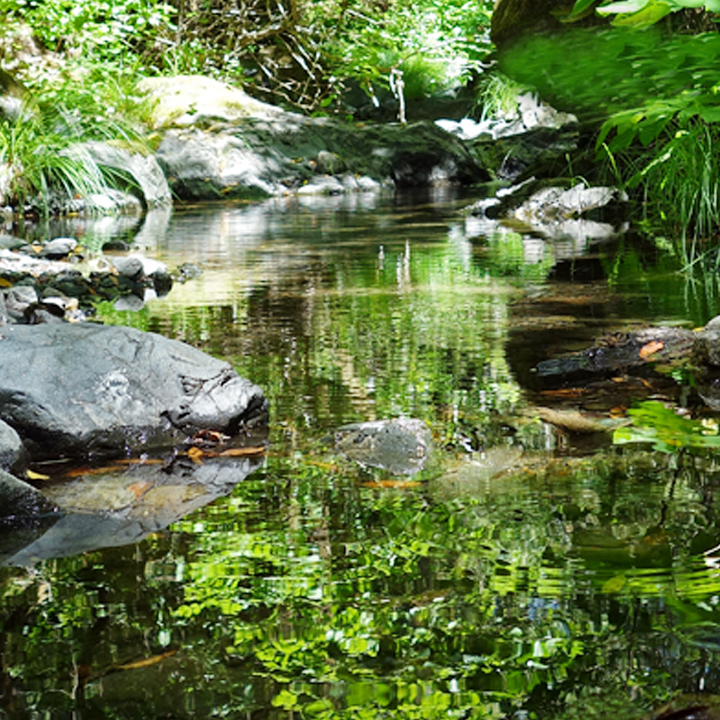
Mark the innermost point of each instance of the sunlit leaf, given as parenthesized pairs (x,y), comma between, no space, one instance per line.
(650,349)
(667,431)
(614,584)
(580,8)
(196,454)
(626,6)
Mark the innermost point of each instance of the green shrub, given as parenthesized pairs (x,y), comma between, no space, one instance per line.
(117,33)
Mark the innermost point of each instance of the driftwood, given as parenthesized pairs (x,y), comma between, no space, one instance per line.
(622,351)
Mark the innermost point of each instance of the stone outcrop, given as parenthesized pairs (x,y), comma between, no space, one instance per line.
(220,143)
(259,158)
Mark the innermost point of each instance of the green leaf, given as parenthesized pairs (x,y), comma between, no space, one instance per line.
(628,6)
(647,16)
(710,114)
(580,8)
(713,6)
(668,432)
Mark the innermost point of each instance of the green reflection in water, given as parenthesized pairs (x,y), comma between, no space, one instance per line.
(307,590)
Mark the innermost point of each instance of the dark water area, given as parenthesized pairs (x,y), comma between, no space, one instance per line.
(525,572)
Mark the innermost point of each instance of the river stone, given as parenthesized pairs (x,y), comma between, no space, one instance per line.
(11,447)
(80,389)
(58,248)
(400,446)
(130,266)
(706,350)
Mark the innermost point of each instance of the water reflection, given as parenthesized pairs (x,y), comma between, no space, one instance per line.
(520,574)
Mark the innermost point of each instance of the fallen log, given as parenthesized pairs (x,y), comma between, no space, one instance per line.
(622,351)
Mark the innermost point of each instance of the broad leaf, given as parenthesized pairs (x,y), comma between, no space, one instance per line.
(668,432)
(650,14)
(628,6)
(580,7)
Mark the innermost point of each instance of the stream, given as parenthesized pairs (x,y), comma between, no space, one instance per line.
(525,572)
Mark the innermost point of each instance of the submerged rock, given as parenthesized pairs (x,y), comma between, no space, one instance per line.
(89,389)
(620,351)
(400,446)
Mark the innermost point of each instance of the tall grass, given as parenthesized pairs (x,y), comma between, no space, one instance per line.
(677,179)
(41,149)
(38,158)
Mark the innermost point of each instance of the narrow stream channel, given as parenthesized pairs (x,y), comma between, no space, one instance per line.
(525,572)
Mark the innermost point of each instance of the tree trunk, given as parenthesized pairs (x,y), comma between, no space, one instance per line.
(514,18)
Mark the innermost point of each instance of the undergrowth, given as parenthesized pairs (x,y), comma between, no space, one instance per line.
(41,145)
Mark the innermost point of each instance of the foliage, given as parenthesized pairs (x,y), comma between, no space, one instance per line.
(37,157)
(639,13)
(657,101)
(683,173)
(669,432)
(118,34)
(302,52)
(435,44)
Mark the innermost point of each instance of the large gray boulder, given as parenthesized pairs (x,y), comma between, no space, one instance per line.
(90,389)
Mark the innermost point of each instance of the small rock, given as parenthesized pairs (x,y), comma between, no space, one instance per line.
(322,186)
(328,163)
(18,302)
(129,267)
(400,446)
(58,248)
(9,242)
(162,282)
(187,271)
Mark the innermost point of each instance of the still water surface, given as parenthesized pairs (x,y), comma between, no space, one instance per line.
(523,573)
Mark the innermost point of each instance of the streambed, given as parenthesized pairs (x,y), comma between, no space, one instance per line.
(525,572)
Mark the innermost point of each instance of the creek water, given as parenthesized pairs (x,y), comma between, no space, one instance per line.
(524,572)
